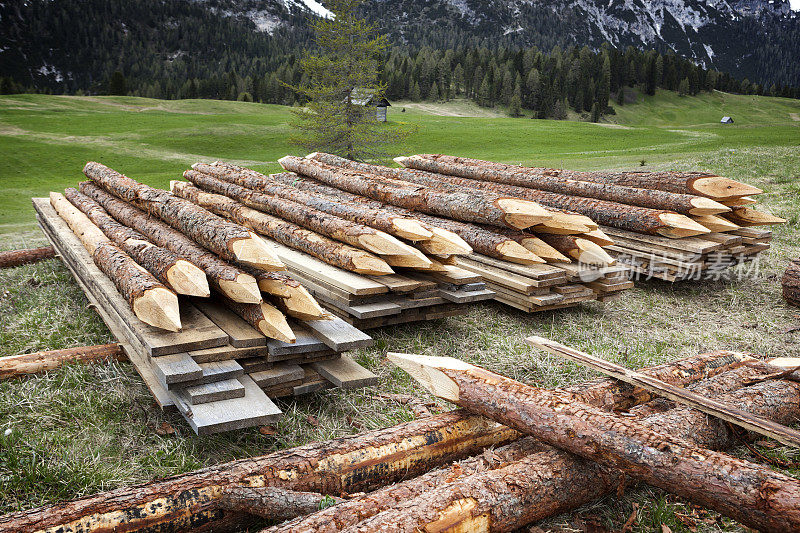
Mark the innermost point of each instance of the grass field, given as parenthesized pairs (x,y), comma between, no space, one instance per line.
(82,429)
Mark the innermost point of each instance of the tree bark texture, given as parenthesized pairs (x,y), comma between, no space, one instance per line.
(455,166)
(350,464)
(32,363)
(465,205)
(13,258)
(209,230)
(791,283)
(530,450)
(155,259)
(288,233)
(749,493)
(675,182)
(272,502)
(377,218)
(163,235)
(629,217)
(315,220)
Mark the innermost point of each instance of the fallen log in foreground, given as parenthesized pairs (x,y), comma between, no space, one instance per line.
(229,241)
(149,299)
(224,277)
(752,494)
(31,363)
(350,464)
(13,258)
(791,283)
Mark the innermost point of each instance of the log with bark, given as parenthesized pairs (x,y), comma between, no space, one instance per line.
(693,183)
(582,250)
(149,299)
(791,283)
(13,258)
(178,274)
(232,282)
(752,494)
(290,295)
(333,227)
(684,204)
(32,363)
(466,205)
(746,216)
(230,241)
(265,318)
(560,221)
(629,217)
(347,465)
(391,223)
(288,233)
(273,502)
(715,224)
(540,480)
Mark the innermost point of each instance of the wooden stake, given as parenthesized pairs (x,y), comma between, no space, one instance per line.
(228,240)
(150,300)
(745,216)
(582,250)
(12,258)
(722,188)
(229,280)
(679,226)
(32,363)
(739,202)
(715,224)
(265,318)
(738,417)
(301,305)
(752,494)
(598,237)
(537,246)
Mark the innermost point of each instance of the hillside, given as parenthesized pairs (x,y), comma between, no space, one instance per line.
(47,139)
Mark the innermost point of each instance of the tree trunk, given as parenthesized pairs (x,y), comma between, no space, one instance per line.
(149,299)
(228,240)
(332,252)
(165,265)
(791,283)
(354,234)
(227,279)
(272,502)
(693,183)
(466,205)
(377,218)
(31,363)
(12,258)
(749,493)
(685,204)
(539,480)
(629,217)
(350,464)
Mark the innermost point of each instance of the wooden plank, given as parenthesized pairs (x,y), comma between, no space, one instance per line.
(308,388)
(455,275)
(345,373)
(176,368)
(253,409)
(277,375)
(226,353)
(523,270)
(214,392)
(240,333)
(339,335)
(500,277)
(697,245)
(397,282)
(462,297)
(215,371)
(731,414)
(306,341)
(198,331)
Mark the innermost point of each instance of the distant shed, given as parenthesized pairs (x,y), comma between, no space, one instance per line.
(365,97)
(726,120)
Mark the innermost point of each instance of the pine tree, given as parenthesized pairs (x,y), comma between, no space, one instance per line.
(458,80)
(433,94)
(595,112)
(415,93)
(683,87)
(483,92)
(515,107)
(341,78)
(117,85)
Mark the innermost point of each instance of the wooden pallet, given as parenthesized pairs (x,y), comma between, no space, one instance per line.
(199,372)
(702,257)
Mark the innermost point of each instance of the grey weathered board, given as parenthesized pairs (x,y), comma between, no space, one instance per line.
(176,368)
(211,372)
(281,373)
(240,333)
(339,335)
(305,341)
(345,373)
(214,392)
(461,297)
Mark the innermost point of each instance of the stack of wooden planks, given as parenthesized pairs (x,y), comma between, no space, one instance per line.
(219,351)
(508,458)
(667,225)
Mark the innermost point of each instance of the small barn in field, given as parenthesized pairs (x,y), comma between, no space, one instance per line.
(726,120)
(367,98)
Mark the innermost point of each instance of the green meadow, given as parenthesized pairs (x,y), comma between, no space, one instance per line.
(81,429)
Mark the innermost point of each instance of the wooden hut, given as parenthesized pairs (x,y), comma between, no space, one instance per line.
(366,97)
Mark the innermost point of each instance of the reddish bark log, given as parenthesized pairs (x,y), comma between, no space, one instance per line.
(752,494)
(273,502)
(791,283)
(227,279)
(685,204)
(32,363)
(349,464)
(229,241)
(694,183)
(13,258)
(466,205)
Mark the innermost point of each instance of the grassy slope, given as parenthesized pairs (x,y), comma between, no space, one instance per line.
(79,430)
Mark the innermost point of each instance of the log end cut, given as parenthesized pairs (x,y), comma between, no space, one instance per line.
(158,307)
(243,289)
(255,252)
(427,370)
(677,226)
(721,188)
(521,214)
(185,278)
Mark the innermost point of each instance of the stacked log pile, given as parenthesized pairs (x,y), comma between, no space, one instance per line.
(189,297)
(791,283)
(667,225)
(403,478)
(331,221)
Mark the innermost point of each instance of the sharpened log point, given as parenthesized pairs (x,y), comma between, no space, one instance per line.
(425,369)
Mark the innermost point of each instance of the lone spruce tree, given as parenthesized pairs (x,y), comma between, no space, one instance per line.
(342,72)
